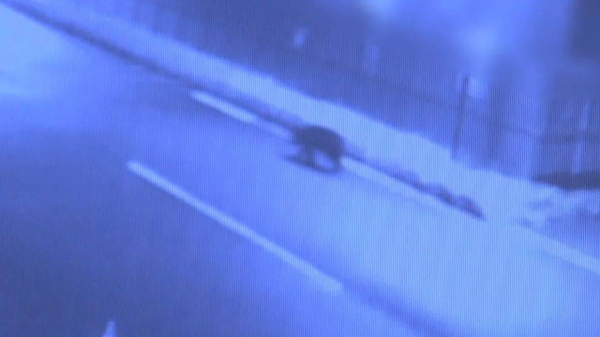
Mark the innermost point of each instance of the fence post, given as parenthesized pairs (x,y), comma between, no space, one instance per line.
(580,138)
(462,106)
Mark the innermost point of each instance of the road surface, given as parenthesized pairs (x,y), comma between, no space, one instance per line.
(84,240)
(125,199)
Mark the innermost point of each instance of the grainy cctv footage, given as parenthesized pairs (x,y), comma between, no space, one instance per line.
(299,168)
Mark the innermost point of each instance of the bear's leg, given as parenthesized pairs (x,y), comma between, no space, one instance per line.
(307,155)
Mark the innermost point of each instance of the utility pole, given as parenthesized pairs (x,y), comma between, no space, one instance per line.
(462,107)
(581,139)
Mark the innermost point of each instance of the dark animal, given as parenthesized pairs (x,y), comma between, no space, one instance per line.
(316,142)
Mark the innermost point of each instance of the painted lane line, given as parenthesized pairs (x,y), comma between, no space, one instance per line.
(276,131)
(238,113)
(224,107)
(377,177)
(327,282)
(564,252)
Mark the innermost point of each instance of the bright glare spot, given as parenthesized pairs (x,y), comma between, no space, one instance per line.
(380,9)
(300,37)
(111,329)
(481,41)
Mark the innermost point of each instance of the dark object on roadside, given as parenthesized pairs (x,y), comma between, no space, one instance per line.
(468,205)
(319,148)
(572,181)
(410,178)
(441,193)
(460,202)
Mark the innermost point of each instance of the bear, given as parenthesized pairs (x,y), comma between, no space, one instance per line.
(314,141)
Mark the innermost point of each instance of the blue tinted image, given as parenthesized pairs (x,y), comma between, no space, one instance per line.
(299,168)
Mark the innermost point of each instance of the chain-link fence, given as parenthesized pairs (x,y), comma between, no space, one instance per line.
(528,136)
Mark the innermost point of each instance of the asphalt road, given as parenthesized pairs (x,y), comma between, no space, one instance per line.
(83,240)
(234,240)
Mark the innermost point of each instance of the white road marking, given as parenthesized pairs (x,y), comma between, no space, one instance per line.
(224,107)
(562,251)
(371,174)
(238,113)
(275,130)
(327,282)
